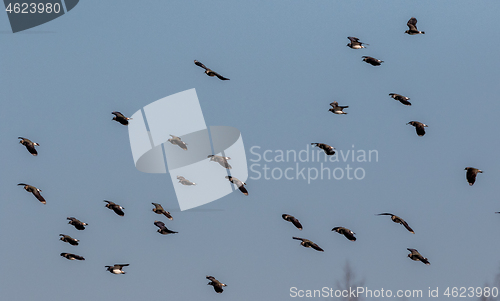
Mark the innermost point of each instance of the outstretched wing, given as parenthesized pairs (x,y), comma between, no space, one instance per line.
(160,224)
(316,247)
(220,76)
(200,64)
(405,224)
(39,197)
(412,24)
(353,39)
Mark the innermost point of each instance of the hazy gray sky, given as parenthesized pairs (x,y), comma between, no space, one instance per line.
(286,60)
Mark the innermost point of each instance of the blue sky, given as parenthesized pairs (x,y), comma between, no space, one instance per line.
(287,61)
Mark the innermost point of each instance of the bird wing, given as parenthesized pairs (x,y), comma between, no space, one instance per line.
(157,206)
(118,114)
(167,214)
(243,189)
(420,129)
(349,235)
(412,24)
(385,213)
(223,162)
(118,210)
(471,176)
(160,224)
(298,238)
(353,39)
(405,224)
(220,76)
(315,247)
(296,222)
(200,64)
(334,104)
(122,265)
(39,197)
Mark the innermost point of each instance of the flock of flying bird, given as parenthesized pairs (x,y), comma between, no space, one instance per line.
(329,150)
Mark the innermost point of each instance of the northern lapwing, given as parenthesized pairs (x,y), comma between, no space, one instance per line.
(412,25)
(415,255)
(72,256)
(30,146)
(158,209)
(238,184)
(402,99)
(355,43)
(209,72)
(35,191)
(419,127)
(221,160)
(399,220)
(78,224)
(66,238)
(120,118)
(336,109)
(293,220)
(163,229)
(308,244)
(372,61)
(216,284)
(346,232)
(184,181)
(115,207)
(329,150)
(177,141)
(117,268)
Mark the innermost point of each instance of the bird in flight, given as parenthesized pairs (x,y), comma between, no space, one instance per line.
(419,127)
(209,72)
(346,232)
(355,43)
(163,230)
(238,183)
(402,99)
(329,150)
(72,256)
(184,181)
(66,238)
(308,244)
(216,284)
(293,220)
(412,25)
(372,61)
(120,118)
(78,224)
(158,209)
(30,146)
(471,174)
(117,268)
(221,160)
(115,207)
(177,141)
(35,191)
(399,220)
(336,109)
(415,255)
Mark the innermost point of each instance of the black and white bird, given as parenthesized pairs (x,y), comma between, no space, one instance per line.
(336,109)
(184,181)
(221,160)
(293,220)
(158,209)
(216,284)
(355,43)
(35,191)
(77,223)
(399,220)
(117,268)
(66,238)
(209,72)
(308,244)
(346,232)
(177,141)
(329,150)
(471,174)
(120,118)
(72,256)
(30,146)
(412,25)
(238,184)
(372,61)
(115,207)
(415,255)
(402,99)
(163,229)
(419,127)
